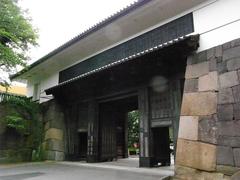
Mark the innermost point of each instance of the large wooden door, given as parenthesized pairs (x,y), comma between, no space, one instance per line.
(107,133)
(121,128)
(113,130)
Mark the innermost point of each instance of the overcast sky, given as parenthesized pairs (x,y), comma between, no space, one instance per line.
(60,20)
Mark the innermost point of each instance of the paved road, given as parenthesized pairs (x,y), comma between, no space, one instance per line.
(56,171)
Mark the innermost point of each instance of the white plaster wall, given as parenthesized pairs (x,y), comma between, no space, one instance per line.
(46,83)
(29,89)
(217,23)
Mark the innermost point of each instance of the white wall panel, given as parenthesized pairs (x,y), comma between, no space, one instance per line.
(217,23)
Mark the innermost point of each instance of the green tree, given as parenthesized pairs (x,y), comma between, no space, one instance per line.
(16,36)
(133,128)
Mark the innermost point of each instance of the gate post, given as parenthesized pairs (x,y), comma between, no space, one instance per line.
(143,101)
(54,131)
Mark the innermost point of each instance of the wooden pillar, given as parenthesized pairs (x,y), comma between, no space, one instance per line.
(92,154)
(145,135)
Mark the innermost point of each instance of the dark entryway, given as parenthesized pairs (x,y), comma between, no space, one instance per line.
(161,146)
(82,145)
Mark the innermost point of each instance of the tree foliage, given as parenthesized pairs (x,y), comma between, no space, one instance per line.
(133,128)
(16,35)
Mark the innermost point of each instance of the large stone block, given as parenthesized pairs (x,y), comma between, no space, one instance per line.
(225,96)
(53,133)
(197,58)
(196,155)
(236,93)
(231,53)
(208,82)
(213,64)
(188,127)
(202,56)
(225,155)
(222,67)
(199,104)
(227,170)
(197,70)
(228,79)
(236,176)
(225,112)
(191,85)
(208,129)
(212,176)
(55,145)
(232,141)
(181,170)
(185,173)
(58,121)
(233,64)
(229,128)
(49,112)
(236,153)
(52,113)
(54,155)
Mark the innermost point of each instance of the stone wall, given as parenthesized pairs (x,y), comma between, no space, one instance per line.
(209,132)
(54,131)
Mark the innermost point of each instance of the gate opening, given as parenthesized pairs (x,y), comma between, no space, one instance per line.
(113,128)
(82,145)
(163,147)
(133,134)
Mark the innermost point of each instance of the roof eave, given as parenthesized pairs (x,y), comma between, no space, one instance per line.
(193,42)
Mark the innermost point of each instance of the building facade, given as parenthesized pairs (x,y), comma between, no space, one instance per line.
(176,62)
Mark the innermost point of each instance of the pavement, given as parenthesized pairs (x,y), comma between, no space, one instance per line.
(122,169)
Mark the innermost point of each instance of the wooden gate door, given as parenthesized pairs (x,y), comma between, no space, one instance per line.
(107,133)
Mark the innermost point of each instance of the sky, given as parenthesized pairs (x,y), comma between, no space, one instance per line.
(58,21)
